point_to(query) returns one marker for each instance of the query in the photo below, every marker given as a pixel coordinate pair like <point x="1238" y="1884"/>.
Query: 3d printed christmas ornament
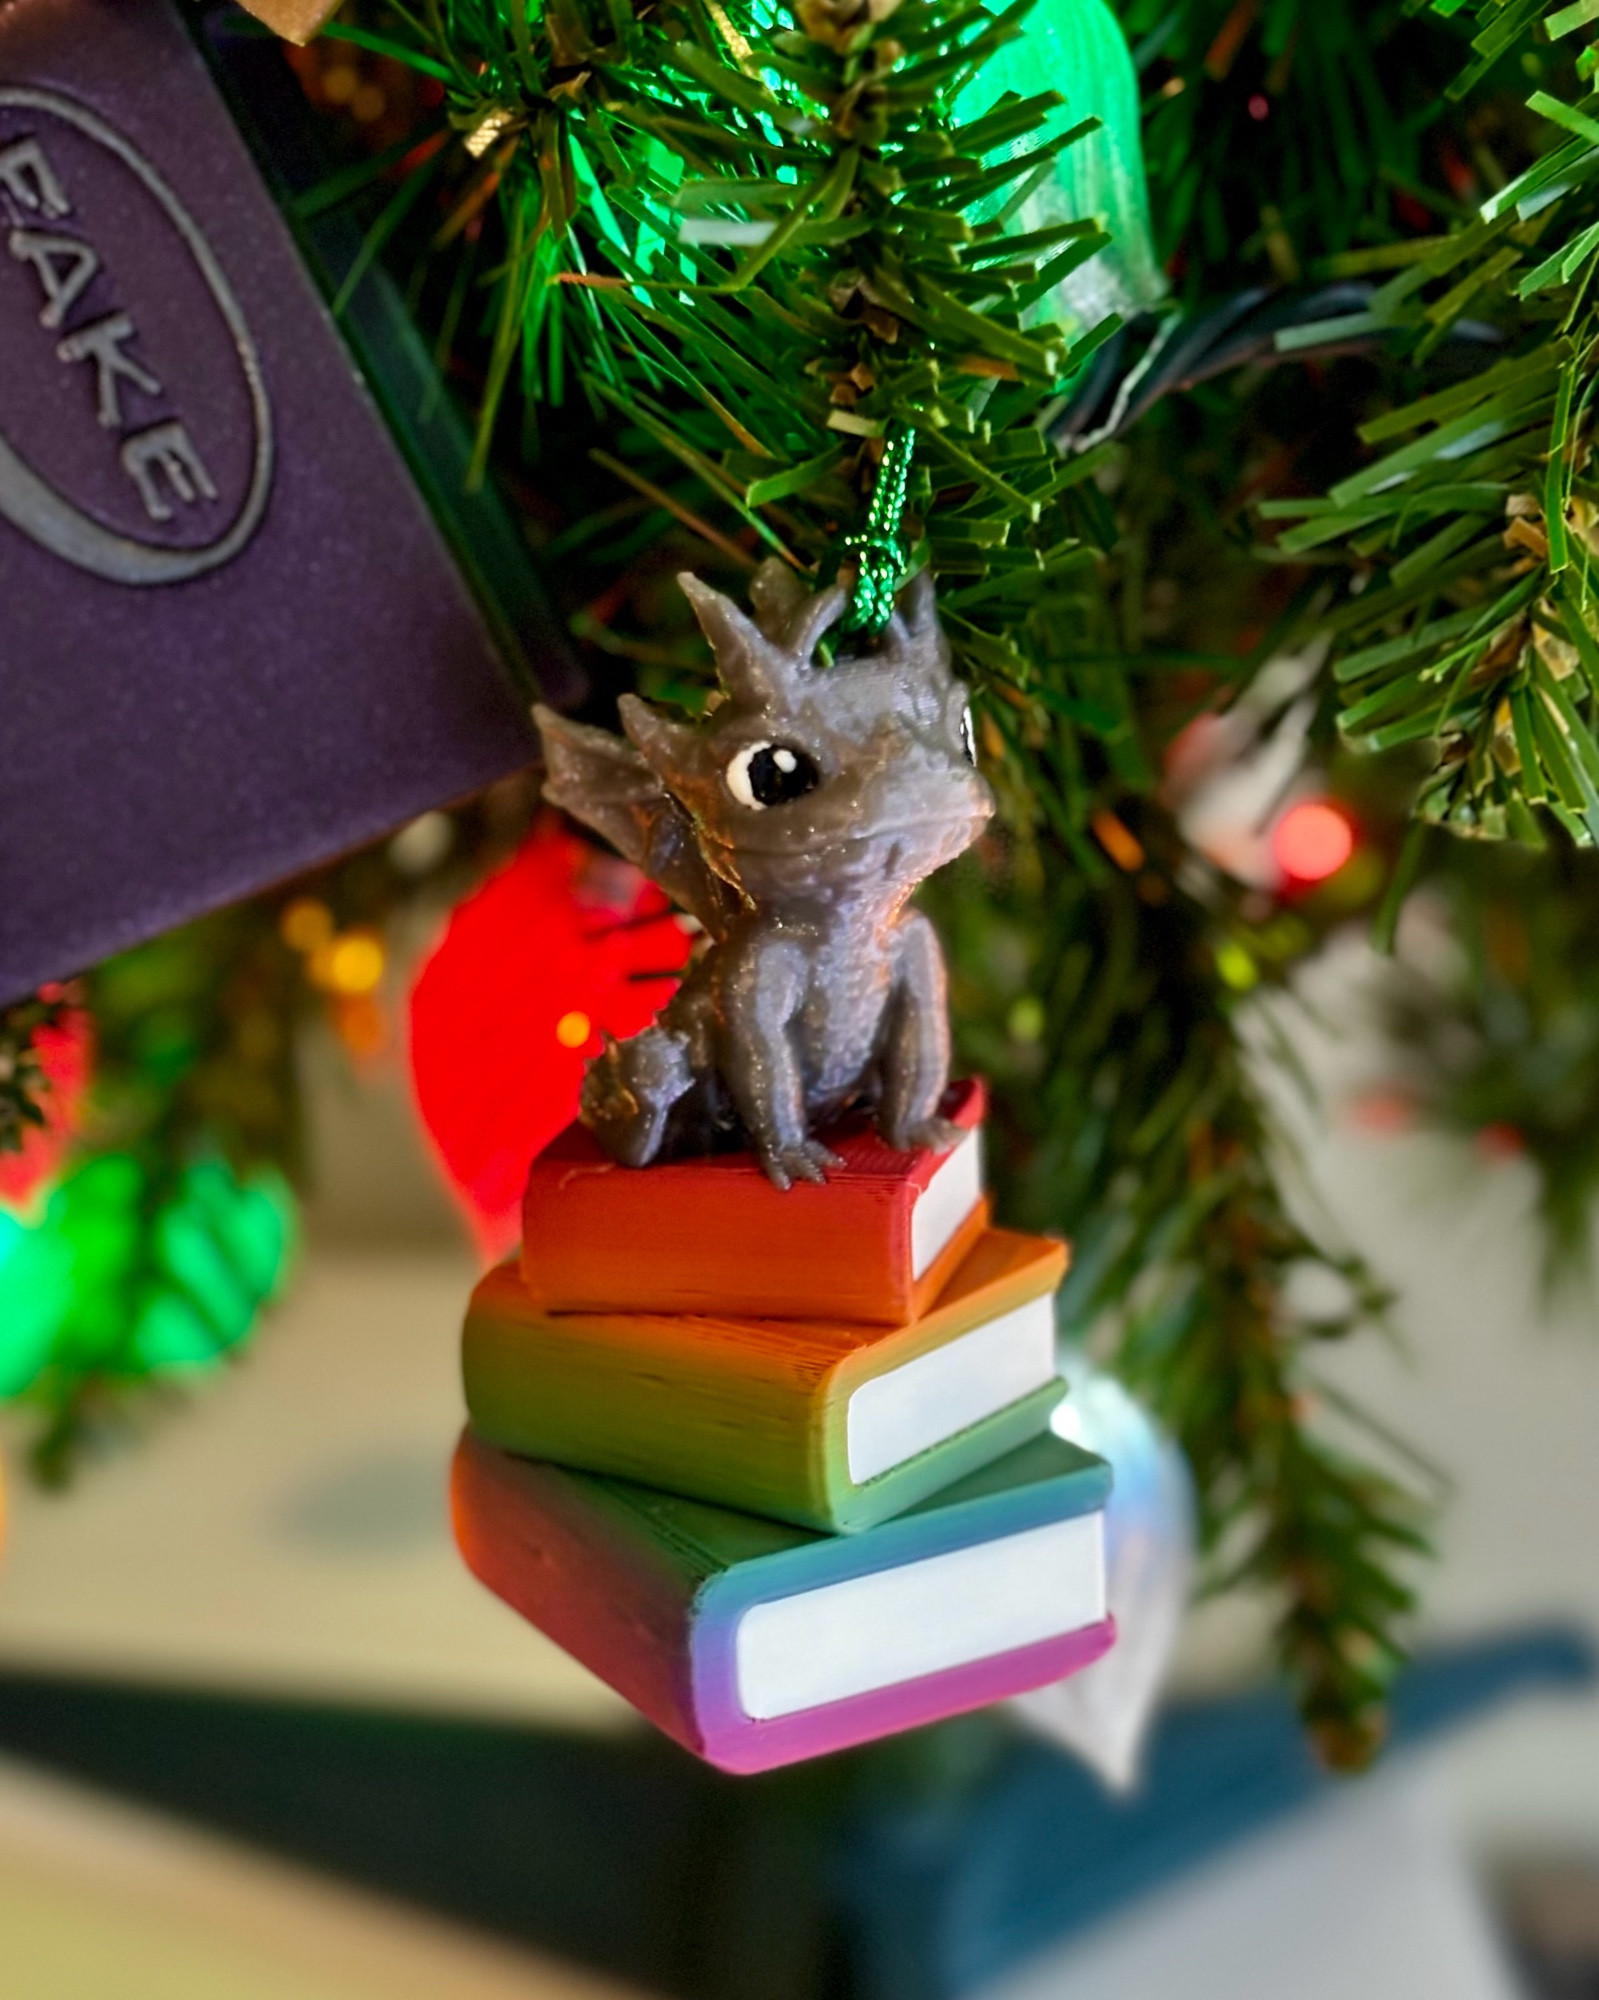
<point x="247" y="646"/>
<point x="794" y="823"/>
<point x="756" y="1644"/>
<point x="846" y="1356"/>
<point x="563" y="945"/>
<point x="760" y="1271"/>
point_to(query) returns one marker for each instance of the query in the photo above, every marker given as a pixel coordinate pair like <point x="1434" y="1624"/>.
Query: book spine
<point x="839" y="1252"/>
<point x="585" y="1575"/>
<point x="694" y="1408"/>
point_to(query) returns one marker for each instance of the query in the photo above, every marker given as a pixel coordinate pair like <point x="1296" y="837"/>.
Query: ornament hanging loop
<point x="878" y="549"/>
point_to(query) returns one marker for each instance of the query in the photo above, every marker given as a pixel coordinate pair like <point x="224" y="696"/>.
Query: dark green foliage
<point x="753" y="384"/>
<point x="1470" y="530"/>
<point x="1279" y="132"/>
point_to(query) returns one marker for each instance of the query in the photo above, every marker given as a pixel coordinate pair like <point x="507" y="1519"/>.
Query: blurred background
<point x="199" y="1635"/>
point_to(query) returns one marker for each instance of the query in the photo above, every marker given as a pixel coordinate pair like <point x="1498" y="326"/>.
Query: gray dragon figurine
<point x="793" y="822"/>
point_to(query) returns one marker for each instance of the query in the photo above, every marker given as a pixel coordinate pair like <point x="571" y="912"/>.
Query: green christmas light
<point x="1077" y="47"/>
<point x="117" y="1278"/>
<point x="35" y="1295"/>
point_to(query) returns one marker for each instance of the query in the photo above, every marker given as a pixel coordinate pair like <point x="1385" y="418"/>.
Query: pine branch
<point x="1280" y="136"/>
<point x="1471" y="533"/>
<point x="768" y="272"/>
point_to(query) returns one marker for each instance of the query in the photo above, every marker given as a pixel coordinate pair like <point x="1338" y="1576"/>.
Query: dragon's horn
<point x="914" y="633"/>
<point x="779" y="596"/>
<point x="753" y="669"/>
<point x="918" y="604"/>
<point x="790" y="615"/>
<point x="815" y="617"/>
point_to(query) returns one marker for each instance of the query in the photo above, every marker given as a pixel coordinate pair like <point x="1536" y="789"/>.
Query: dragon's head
<point x="809" y="780"/>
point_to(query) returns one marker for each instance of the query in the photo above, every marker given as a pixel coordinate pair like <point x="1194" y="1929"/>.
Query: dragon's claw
<point x="806" y="1160"/>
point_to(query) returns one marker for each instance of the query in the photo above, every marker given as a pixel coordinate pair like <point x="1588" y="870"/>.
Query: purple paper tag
<point x="232" y="642"/>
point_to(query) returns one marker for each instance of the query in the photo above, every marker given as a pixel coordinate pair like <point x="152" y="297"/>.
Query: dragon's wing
<point x="603" y="781"/>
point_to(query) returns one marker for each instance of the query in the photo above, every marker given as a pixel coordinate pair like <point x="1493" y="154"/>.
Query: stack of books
<point x="778" y="1466"/>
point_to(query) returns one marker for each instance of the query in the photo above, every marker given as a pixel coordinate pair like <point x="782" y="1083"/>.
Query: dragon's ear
<point x="595" y="776"/>
<point x="608" y="785"/>
<point x="756" y="672"/>
<point x="671" y="749"/>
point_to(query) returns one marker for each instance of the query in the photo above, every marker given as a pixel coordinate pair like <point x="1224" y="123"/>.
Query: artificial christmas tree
<point x="696" y="274"/>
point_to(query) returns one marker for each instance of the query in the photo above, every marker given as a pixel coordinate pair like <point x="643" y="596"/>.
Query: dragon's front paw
<point x="629" y="1090"/>
<point x="807" y="1160"/>
<point x="658" y="1067"/>
<point x="647" y="1074"/>
<point x="938" y="1135"/>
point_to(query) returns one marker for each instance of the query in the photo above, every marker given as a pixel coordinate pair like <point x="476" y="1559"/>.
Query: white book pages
<point x="920" y="1618"/>
<point x="946" y="1201"/>
<point x="894" y="1416"/>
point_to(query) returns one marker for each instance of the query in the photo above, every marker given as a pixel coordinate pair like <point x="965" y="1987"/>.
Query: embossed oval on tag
<point x="135" y="429"/>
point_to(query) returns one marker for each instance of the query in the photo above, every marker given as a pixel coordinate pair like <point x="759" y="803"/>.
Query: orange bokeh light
<point x="573" y="1030"/>
<point x="1312" y="840"/>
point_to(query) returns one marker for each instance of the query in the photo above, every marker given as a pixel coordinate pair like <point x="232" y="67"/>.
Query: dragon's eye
<point x="771" y="774"/>
<point x="968" y="734"/>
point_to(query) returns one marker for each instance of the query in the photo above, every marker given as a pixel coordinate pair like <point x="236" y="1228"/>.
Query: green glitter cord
<point x="877" y="548"/>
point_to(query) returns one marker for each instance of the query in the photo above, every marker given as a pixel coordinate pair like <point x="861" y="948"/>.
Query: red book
<point x="876" y="1244"/>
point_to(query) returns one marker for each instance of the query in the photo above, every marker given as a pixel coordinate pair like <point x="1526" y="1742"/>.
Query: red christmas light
<point x="1499" y="1141"/>
<point x="66" y="1056"/>
<point x="1311" y="841"/>
<point x="561" y="944"/>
